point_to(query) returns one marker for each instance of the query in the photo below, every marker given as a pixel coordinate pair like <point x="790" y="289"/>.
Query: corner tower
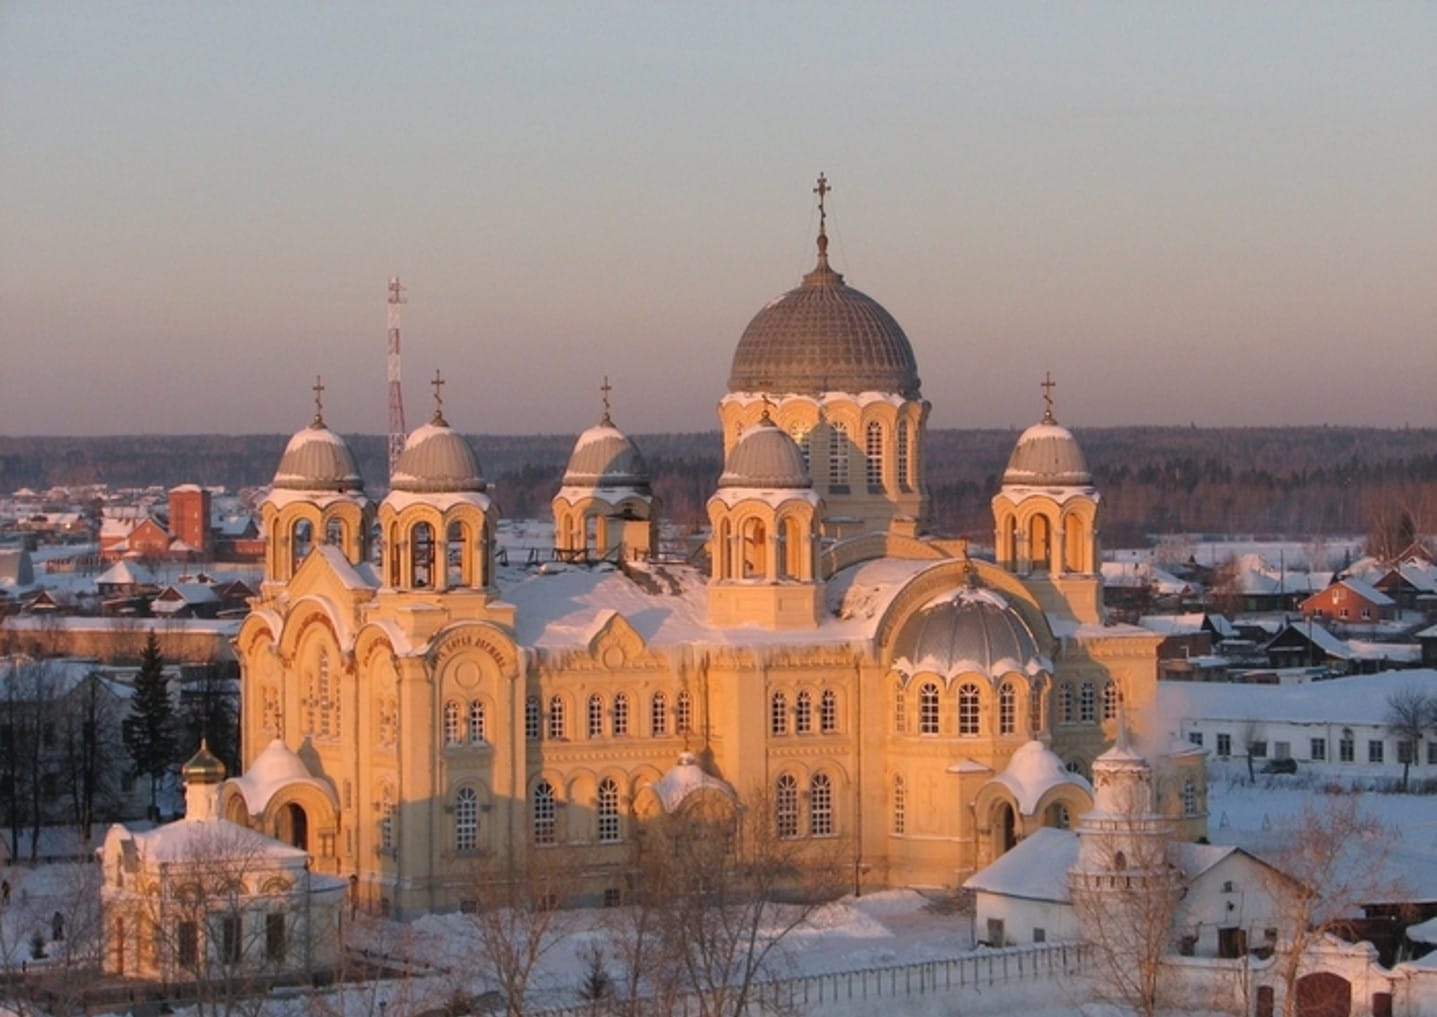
<point x="843" y="383"/>
<point x="1045" y="519"/>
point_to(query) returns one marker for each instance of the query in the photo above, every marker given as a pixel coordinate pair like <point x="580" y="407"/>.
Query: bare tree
<point x="1410" y="712"/>
<point x="1125" y="900"/>
<point x="89" y="741"/>
<point x="515" y="914"/>
<point x="1249" y="735"/>
<point x="1331" y="859"/>
<point x="732" y="890"/>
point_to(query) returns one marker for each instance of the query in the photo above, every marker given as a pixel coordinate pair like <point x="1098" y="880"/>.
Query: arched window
<point x="557" y="729"/>
<point x="1074" y="549"/>
<point x="1007" y="709"/>
<point x="755" y="549"/>
<point x="1009" y="550"/>
<point x="608" y="810"/>
<point x="544" y="814"/>
<point x="1058" y="816"/>
<point x="778" y="714"/>
<point x="873" y="454"/>
<point x="1035" y="709"/>
<point x="900" y="805"/>
<point x="1110" y="700"/>
<point x="1040" y="541"/>
<point x="301" y="542"/>
<point x="334" y="531"/>
<point x="785" y="806"/>
<point x="533" y="723"/>
<point x="900" y="710"/>
<point x="968" y="718"/>
<point x="1190" y="798"/>
<point x="928" y="709"/>
<point x="802" y="437"/>
<point x="466" y="819"/>
<point x="820" y="806"/>
<point x="421" y="556"/>
<point x="904" y="480"/>
<point x="684" y="713"/>
<point x="659" y="715"/>
<point x="828" y="712"/>
<point x="596" y="716"/>
<point x="1065" y="704"/>
<point x="621" y="715"/>
<point x="478" y="729"/>
<point x="803" y="713"/>
<point x="456" y="555"/>
<point x="838" y="455"/>
<point x="451" y="722"/>
<point x="386" y="819"/>
<point x="1087" y="703"/>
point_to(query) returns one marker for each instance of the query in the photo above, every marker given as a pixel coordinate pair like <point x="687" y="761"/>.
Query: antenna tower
<point x="397" y="429"/>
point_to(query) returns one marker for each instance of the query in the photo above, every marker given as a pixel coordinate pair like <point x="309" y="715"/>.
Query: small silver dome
<point x="437" y="459"/>
<point x="766" y="457"/>
<point x="1047" y="455"/>
<point x="605" y="457"/>
<point x="969" y="630"/>
<point x="317" y="459"/>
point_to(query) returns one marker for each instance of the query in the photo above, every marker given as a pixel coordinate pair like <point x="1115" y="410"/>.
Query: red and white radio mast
<point x="397" y="429"/>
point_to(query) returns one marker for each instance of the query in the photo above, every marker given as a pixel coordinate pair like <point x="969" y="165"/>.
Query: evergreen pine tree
<point x="148" y="728"/>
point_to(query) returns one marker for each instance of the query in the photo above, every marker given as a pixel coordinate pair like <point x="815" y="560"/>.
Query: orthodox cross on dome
<point x="438" y="384"/>
<point x="606" y="388"/>
<point x="1047" y="385"/>
<point x="822" y="191"/>
<point x="318" y="389"/>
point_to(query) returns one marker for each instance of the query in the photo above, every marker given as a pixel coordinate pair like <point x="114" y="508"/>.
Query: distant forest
<point x="1295" y="481"/>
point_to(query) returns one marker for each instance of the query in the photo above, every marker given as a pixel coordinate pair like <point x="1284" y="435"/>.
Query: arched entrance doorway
<point x="292" y="826"/>
<point x="1324" y="994"/>
<point x="1005" y="829"/>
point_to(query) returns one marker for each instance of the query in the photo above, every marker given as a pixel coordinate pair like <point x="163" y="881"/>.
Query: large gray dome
<point x="1047" y="455"/>
<point x="969" y="630"/>
<point x="824" y="336"/>
<point x="317" y="459"/>
<point x="437" y="460"/>
<point x="605" y="457"/>
<point x="766" y="458"/>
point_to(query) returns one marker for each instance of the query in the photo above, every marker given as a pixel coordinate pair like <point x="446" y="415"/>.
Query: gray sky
<point x="1219" y="213"/>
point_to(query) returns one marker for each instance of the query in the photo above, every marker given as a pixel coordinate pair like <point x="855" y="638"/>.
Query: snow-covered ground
<point x="881" y="929"/>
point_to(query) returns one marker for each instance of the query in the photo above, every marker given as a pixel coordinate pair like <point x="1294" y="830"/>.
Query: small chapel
<point x="411" y="703"/>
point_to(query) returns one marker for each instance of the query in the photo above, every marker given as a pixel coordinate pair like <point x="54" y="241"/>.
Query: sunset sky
<point x="1197" y="212"/>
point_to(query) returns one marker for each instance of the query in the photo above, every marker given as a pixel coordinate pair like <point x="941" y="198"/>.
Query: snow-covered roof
<point x="1423" y="932"/>
<point x="685" y="778"/>
<point x="1356" y="699"/>
<point x="205" y="840"/>
<point x="273" y="769"/>
<point x="1034" y="770"/>
<point x="1035" y="869"/>
<point x="126" y="573"/>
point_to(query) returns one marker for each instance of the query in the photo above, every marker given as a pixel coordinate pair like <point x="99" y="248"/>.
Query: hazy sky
<point x="1224" y="214"/>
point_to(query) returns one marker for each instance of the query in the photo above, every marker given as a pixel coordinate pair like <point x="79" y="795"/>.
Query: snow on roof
<point x="1398" y="653"/>
<point x="683" y="779"/>
<point x="442" y="500"/>
<point x="559" y="609"/>
<point x="1356" y="699"/>
<point x="126" y="573"/>
<point x="353" y="577"/>
<point x="274" y="768"/>
<point x="1034" y="770"/>
<point x="1423" y="932"/>
<point x="1173" y="624"/>
<point x="1035" y="869"/>
<point x="201" y="840"/>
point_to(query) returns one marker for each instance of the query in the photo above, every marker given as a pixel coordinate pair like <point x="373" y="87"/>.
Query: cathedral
<point x="411" y="703"/>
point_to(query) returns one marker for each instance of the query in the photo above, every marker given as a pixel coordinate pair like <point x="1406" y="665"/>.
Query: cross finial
<point x="438" y="384"/>
<point x="1047" y="385"/>
<point x="822" y="191"/>
<point x="318" y="389"/>
<point x="606" y="388"/>
<point x="767" y="404"/>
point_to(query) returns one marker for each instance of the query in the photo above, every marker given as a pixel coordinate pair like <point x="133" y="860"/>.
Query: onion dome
<point x="968" y="630"/>
<point x="767" y="458"/>
<point x="317" y="459"/>
<point x="605" y="457"/>
<point x="204" y="767"/>
<point x="437" y="459"/>
<point x="1047" y="455"/>
<point x="824" y="336"/>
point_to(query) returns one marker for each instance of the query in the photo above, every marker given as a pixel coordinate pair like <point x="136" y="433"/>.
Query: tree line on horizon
<point x="1292" y="481"/>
